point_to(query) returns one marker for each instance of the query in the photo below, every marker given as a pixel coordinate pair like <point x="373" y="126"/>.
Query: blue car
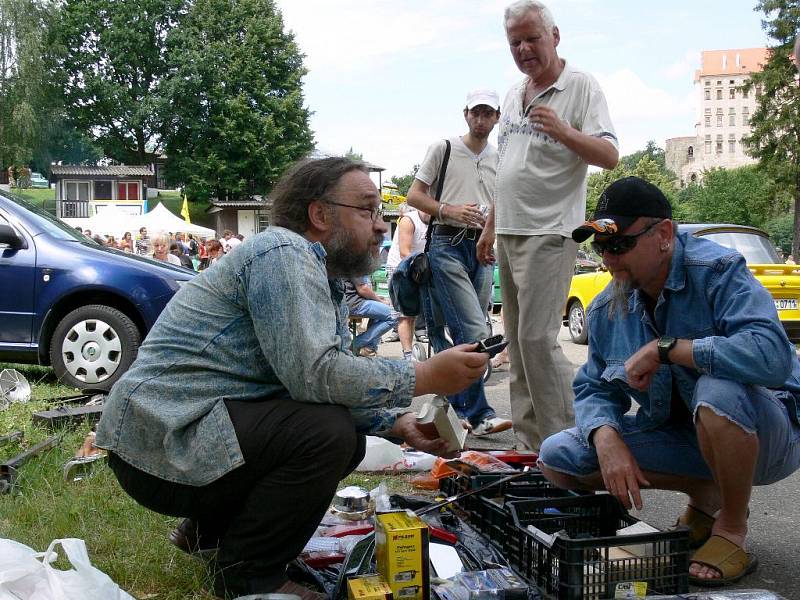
<point x="65" y="301"/>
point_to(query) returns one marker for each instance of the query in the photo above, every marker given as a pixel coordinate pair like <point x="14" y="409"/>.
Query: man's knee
<point x="335" y="433"/>
<point x="725" y="398"/>
<point x="564" y="458"/>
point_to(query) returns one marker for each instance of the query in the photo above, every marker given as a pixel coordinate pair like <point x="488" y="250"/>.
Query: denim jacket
<point x="710" y="297"/>
<point x="262" y="322"/>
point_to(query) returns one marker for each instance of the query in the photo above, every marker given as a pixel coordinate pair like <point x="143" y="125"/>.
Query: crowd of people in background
<point x="180" y="249"/>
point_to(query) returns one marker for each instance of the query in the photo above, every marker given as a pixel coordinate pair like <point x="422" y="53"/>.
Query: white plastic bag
<point x="383" y="455"/>
<point x="28" y="575"/>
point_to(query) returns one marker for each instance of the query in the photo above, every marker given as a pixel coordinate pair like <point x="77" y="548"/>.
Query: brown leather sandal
<point x="722" y="555"/>
<point x="699" y="524"/>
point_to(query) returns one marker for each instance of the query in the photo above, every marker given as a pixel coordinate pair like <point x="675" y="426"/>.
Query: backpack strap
<point x="439" y="187"/>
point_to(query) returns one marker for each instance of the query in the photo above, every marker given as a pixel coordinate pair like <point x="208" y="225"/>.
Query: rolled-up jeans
<point x="381" y="319"/>
<point x="673" y="447"/>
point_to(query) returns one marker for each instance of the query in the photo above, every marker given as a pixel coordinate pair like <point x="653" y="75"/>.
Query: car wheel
<point x="576" y="323"/>
<point x="93" y="346"/>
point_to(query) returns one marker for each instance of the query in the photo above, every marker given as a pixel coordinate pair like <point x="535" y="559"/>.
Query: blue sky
<point x="390" y="77"/>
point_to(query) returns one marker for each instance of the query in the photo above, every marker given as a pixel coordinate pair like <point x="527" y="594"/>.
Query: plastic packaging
<point x="723" y="595"/>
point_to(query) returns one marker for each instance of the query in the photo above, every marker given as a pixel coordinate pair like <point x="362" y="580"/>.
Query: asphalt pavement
<point x="774" y="525"/>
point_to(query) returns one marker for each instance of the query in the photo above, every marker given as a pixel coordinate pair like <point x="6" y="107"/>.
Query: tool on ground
<point x="10" y="468"/>
<point x="14" y="436"/>
<point x="64" y="415"/>
<point x="477" y="490"/>
<point x="80" y="468"/>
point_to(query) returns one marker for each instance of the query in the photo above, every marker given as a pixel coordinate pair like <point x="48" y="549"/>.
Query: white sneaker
<point x="491" y="425"/>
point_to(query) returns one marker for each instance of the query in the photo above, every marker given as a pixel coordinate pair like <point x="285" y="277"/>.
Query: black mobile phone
<point x="492" y="345"/>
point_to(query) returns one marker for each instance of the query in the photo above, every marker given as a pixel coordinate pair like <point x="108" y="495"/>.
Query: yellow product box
<point x="401" y="550"/>
<point x="368" y="587"/>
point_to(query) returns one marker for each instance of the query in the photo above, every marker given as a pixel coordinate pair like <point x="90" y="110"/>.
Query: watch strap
<point x="665" y="344"/>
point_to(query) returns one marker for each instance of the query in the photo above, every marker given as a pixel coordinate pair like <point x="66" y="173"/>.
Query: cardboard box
<point x="368" y="587"/>
<point x="401" y="550"/>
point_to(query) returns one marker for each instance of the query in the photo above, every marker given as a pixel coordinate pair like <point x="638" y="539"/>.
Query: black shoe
<point x="185" y="537"/>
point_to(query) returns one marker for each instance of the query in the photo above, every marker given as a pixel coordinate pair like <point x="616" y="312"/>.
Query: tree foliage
<point x="403" y="182"/>
<point x="648" y="164"/>
<point x="234" y="99"/>
<point x="775" y="124"/>
<point x="109" y="57"/>
<point x="743" y="196"/>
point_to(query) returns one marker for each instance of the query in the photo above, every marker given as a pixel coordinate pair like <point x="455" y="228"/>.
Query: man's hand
<point x="548" y="122"/>
<point x="450" y="371"/>
<point x="469" y="215"/>
<point x="642" y="365"/>
<point x="422" y="437"/>
<point x="621" y="474"/>
<point x="485" y="247"/>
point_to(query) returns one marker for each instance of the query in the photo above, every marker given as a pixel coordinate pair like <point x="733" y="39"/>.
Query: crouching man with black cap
<point x="686" y="331"/>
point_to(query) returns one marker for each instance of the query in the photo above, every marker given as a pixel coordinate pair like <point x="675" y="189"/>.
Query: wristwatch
<point x="665" y="344"/>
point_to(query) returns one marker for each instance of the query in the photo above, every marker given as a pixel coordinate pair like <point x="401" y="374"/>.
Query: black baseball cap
<point x="623" y="202"/>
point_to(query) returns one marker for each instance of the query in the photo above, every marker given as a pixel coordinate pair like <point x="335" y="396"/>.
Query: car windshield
<point x="756" y="249"/>
<point x="55" y="227"/>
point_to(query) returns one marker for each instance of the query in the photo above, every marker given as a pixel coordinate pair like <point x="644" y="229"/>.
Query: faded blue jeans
<point x="381" y="319"/>
<point x="461" y="288"/>
<point x="673" y="447"/>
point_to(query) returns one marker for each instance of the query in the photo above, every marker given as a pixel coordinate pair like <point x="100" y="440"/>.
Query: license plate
<point x="785" y="303"/>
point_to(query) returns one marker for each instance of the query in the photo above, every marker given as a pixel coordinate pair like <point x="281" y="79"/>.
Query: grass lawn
<point x="124" y="540"/>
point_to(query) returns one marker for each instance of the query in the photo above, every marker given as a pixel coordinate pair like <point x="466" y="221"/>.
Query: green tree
<point x="744" y="196"/>
<point x="403" y="182"/>
<point x="109" y="57"/>
<point x="647" y="164"/>
<point x="775" y="124"/>
<point x="781" y="231"/>
<point x="234" y="99"/>
<point x="353" y="155"/>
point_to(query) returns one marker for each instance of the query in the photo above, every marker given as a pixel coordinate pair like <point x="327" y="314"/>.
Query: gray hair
<point x="522" y="7"/>
<point x="304" y="182"/>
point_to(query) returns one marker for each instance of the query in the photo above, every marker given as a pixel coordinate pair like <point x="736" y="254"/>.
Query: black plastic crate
<point x="533" y="480"/>
<point x="587" y="560"/>
<point x="492" y="515"/>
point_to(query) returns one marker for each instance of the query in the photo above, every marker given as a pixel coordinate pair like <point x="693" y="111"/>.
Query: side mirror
<point x="10" y="238"/>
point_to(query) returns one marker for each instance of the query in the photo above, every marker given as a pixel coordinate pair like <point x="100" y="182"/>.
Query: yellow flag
<point x="185" y="210"/>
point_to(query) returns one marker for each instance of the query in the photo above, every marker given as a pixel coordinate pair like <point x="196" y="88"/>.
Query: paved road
<point x="775" y="510"/>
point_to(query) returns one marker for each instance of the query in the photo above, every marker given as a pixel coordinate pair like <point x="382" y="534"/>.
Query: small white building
<point x="83" y="191"/>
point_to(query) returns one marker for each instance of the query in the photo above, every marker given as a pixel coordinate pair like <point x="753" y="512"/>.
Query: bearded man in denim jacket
<point x="245" y="407"/>
<point x="687" y="332"/>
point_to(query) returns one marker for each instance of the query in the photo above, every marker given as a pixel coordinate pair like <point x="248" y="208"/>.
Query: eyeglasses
<point x="620" y="244"/>
<point x="375" y="211"/>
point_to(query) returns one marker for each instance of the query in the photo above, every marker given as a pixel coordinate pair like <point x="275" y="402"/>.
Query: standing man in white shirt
<point x="554" y="124"/>
<point x="460" y="284"/>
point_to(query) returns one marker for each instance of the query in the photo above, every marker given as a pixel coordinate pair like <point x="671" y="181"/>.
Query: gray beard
<point x="620" y="291"/>
<point x="342" y="262"/>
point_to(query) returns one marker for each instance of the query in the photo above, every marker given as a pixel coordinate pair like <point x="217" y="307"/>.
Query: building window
<point x="708" y="121"/>
<point x="745" y="116"/>
<point x="731" y="144"/>
<point x="758" y="91"/>
<point x="732" y="93"/>
<point x="719" y="120"/>
<point x="719" y="94"/>
<point x="708" y="144"/>
<point x="745" y="93"/>
<point x="719" y="144"/>
<point x="690" y="153"/>
<point x="732" y="82"/>
<point x="732" y="117"/>
<point x="102" y="190"/>
<point x="262" y="220"/>
<point x="127" y="190"/>
<point x="708" y="82"/>
<point x="708" y="94"/>
<point x="693" y="177"/>
<point x="77" y="191"/>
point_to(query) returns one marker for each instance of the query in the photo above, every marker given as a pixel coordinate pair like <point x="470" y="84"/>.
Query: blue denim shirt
<point x="710" y="297"/>
<point x="264" y="321"/>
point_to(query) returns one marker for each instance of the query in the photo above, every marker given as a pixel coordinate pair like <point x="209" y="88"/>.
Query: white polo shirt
<point x="541" y="184"/>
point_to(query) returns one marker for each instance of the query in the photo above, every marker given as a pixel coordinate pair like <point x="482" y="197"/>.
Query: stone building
<point x="723" y="114"/>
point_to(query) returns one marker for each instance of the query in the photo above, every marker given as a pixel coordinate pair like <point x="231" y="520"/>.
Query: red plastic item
<point x="515" y="457"/>
<point x="343" y="530"/>
<point x="442" y="534"/>
<point x="317" y="560"/>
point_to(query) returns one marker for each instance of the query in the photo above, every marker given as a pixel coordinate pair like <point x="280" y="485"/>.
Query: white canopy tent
<point x="161" y="219"/>
<point x="111" y="220"/>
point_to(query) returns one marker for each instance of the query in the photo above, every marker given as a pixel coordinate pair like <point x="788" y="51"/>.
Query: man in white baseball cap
<point x="461" y="285"/>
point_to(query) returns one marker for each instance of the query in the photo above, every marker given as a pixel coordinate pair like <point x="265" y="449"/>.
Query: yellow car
<point x="782" y="281"/>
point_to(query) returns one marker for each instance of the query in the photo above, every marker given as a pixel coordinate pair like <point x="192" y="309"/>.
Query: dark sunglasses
<point x="620" y="244"/>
